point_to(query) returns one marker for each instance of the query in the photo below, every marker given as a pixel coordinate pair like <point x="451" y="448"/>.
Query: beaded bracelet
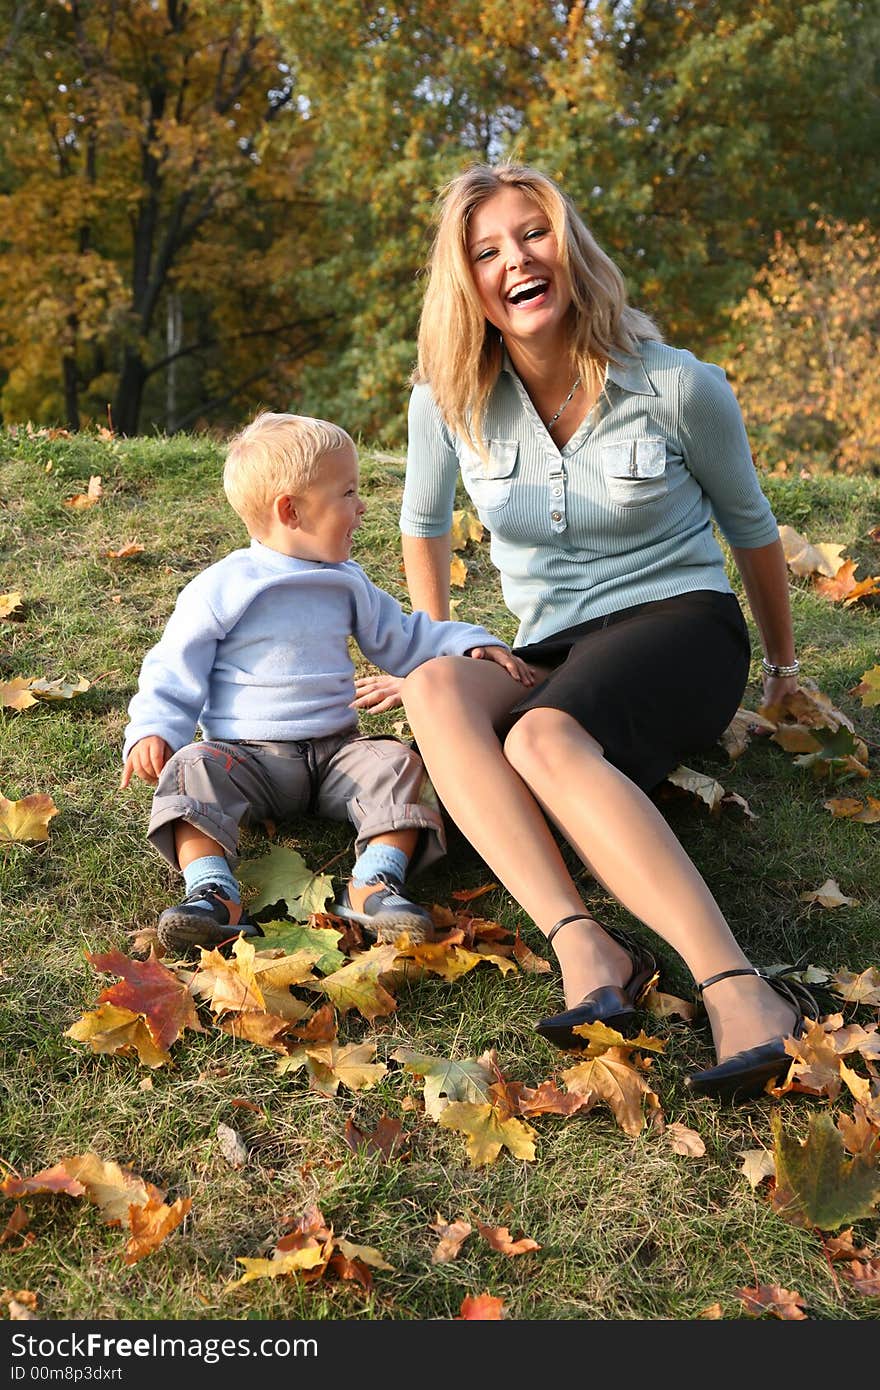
<point x="770" y="668"/>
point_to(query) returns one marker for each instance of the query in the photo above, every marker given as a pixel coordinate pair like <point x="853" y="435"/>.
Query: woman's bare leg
<point x="492" y="794"/>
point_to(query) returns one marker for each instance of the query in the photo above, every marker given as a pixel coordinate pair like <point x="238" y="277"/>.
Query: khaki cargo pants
<point x="377" y="783"/>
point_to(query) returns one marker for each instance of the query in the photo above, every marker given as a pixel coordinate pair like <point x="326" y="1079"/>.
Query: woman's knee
<point x="542" y="739"/>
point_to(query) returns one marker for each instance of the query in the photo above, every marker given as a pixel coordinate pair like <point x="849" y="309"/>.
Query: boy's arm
<point x="399" y="642"/>
<point x="173" y="683"/>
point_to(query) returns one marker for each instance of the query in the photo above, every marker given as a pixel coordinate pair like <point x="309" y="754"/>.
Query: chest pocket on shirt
<point x="635" y="471"/>
<point x="487" y="481"/>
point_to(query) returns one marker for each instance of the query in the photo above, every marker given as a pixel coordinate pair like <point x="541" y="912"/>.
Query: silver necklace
<point x="553" y="418"/>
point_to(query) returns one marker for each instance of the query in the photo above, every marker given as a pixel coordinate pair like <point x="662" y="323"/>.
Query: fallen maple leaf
<point x="865" y="588"/>
<point x="757" y="1164"/>
<point x="467" y="895"/>
<point x="26" y="820"/>
<point x="500" y="1239"/>
<point x="545" y="1099"/>
<point x="289" y="1262"/>
<point x="263" y="1029"/>
<point x="857" y="989"/>
<point x="457" y="572"/>
<point x="330" y="1066"/>
<point x="815" y="1063"/>
<point x="772" y="1298"/>
<point x="809" y="706"/>
<point x="21" y="1303"/>
<point x="149" y="988"/>
<point x="9" y="603"/>
<point x="599" y="1038"/>
<point x="861" y="1133"/>
<point x="151" y="1224"/>
<point x="110" y="1029"/>
<point x="124" y="552"/>
<point x="447" y="1080"/>
<point x="16" y="694"/>
<point x="828" y="894"/>
<point x="59" y="689"/>
<point x="698" y="784"/>
<point x="487" y="1132"/>
<point x="864" y="1277"/>
<point x="668" y="1005"/>
<point x="452" y="1235"/>
<point x="804" y="559"/>
<point x="386" y="1140"/>
<point x="282" y="875"/>
<point x="865" y="812"/>
<point x="90" y="498"/>
<point x="357" y="985"/>
<point x="738" y="734"/>
<point x="868" y="688"/>
<point x="684" y="1141"/>
<point x="482" y="1307"/>
<point x="291" y="937"/>
<point x="17" y="1223"/>
<point x="815" y="1184"/>
<point x="843" y="1247"/>
<point x="614" y="1081"/>
<point x="447" y="959"/>
<point x="466" y="526"/>
<point x="528" y="960"/>
<point x="366" y="1254"/>
<point x="841" y="585"/>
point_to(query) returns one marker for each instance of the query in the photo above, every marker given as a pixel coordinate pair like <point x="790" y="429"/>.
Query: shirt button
<point x="556" y="516"/>
<point x="556" y="492"/>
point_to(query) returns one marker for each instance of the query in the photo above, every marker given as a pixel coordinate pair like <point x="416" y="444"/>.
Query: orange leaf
<point x="452" y="1235"/>
<point x="149" y="988"/>
<point x="864" y="1277"/>
<point x="90" y="498"/>
<point x="467" y="895"/>
<point x="500" y="1239"/>
<point x="481" y="1308"/>
<point x="384" y="1140"/>
<point x="16" y="694"/>
<point x="865" y="812"/>
<point x="124" y="552"/>
<point x="772" y="1298"/>
<point x="841" y="585"/>
<point x="864" y="589"/>
<point x="527" y="959"/>
<point x="151" y="1224"/>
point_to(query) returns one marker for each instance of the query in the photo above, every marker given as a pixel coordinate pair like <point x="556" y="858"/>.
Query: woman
<point x="596" y="456"/>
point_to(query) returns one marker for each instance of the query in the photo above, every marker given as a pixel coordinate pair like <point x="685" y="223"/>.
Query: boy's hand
<point x="146" y="760"/>
<point x="377" y="693"/>
<point x="512" y="664"/>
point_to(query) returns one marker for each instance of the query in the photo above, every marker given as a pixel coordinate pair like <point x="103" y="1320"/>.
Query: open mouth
<point x="524" y="294"/>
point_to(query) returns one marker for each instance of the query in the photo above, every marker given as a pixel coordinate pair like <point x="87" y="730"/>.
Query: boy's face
<point x="330" y="510"/>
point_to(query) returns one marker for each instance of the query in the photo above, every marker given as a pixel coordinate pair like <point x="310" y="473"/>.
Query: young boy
<point x="256" y="653"/>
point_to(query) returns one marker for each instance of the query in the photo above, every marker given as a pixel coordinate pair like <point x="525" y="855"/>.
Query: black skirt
<point x="652" y="684"/>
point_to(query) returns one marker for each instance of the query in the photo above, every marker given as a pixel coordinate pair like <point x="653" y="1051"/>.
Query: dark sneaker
<point x="383" y="911"/>
<point x="219" y="920"/>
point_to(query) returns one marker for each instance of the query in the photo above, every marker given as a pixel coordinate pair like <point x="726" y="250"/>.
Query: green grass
<point x="628" y="1229"/>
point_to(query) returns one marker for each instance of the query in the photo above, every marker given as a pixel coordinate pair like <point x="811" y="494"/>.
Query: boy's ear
<point x="285" y="511"/>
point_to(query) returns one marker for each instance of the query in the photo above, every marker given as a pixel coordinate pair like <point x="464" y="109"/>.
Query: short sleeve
<point x="431" y="469"/>
<point x="716" y="450"/>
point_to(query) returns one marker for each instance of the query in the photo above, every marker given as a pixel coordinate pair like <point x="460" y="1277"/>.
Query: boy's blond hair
<point x="276" y="454"/>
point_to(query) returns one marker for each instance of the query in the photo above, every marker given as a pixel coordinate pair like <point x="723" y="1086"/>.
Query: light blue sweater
<point x="622" y="513"/>
<point x="257" y="648"/>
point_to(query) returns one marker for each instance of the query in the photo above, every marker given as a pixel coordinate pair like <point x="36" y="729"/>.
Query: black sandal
<point x="747" y="1073"/>
<point x="613" y="1005"/>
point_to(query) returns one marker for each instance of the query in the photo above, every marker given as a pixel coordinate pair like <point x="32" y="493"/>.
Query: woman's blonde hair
<point x="460" y="351"/>
<point x="273" y="455"/>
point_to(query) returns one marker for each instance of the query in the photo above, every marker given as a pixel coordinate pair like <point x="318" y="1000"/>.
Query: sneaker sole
<point x="389" y="928"/>
<point x="181" y="929"/>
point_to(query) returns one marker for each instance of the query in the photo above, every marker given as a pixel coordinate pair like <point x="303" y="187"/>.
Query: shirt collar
<point x="629" y="373"/>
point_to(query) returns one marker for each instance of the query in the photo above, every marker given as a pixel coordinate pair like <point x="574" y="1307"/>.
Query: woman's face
<point x="523" y="288"/>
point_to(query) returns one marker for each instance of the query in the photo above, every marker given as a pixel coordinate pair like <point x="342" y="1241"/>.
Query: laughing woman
<point x="596" y="456"/>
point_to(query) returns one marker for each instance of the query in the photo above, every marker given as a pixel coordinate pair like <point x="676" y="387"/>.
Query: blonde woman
<point x="596" y="456"/>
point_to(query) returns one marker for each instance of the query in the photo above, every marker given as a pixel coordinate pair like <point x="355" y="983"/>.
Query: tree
<point x="138" y="166"/>
<point x="804" y="366"/>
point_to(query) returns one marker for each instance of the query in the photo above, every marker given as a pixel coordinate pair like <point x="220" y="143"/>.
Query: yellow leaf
<point x="857" y="989"/>
<point x="8" y="603"/>
<point x="466" y="526"/>
<point x="866" y="812"/>
<point x="288" y="1263"/>
<point x="16" y="694"/>
<point x="110" y="1028"/>
<point x="487" y="1133"/>
<point x="698" y="784"/>
<point x="151" y="1224"/>
<point x="89" y="498"/>
<point x="457" y="572"/>
<point x="868" y="687"/>
<point x="757" y="1164"/>
<point x="356" y="985"/>
<point x="330" y="1066"/>
<point x="804" y="559"/>
<point x="368" y="1253"/>
<point x="613" y="1080"/>
<point x="600" y="1038"/>
<point x="828" y="894"/>
<point x="28" y="819"/>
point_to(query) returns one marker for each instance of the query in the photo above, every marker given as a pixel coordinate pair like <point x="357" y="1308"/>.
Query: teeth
<point x="528" y="285"/>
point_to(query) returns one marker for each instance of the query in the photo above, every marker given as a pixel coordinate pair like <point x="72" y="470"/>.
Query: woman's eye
<point x="536" y="232"/>
<point x="484" y="255"/>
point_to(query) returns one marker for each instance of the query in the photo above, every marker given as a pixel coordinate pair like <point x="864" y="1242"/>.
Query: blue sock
<point x="212" y="868"/>
<point x="380" y="861"/>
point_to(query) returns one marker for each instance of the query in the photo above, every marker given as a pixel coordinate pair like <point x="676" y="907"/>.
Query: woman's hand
<point x="777" y="687"/>
<point x="502" y="657"/>
<point x="146" y="760"/>
<point x="377" y="693"/>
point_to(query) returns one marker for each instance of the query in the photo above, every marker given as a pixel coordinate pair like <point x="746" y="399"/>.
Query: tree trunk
<point x="129" y="393"/>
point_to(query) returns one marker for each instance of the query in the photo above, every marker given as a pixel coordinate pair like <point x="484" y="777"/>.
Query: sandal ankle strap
<point x="563" y="922"/>
<point x="728" y="975"/>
